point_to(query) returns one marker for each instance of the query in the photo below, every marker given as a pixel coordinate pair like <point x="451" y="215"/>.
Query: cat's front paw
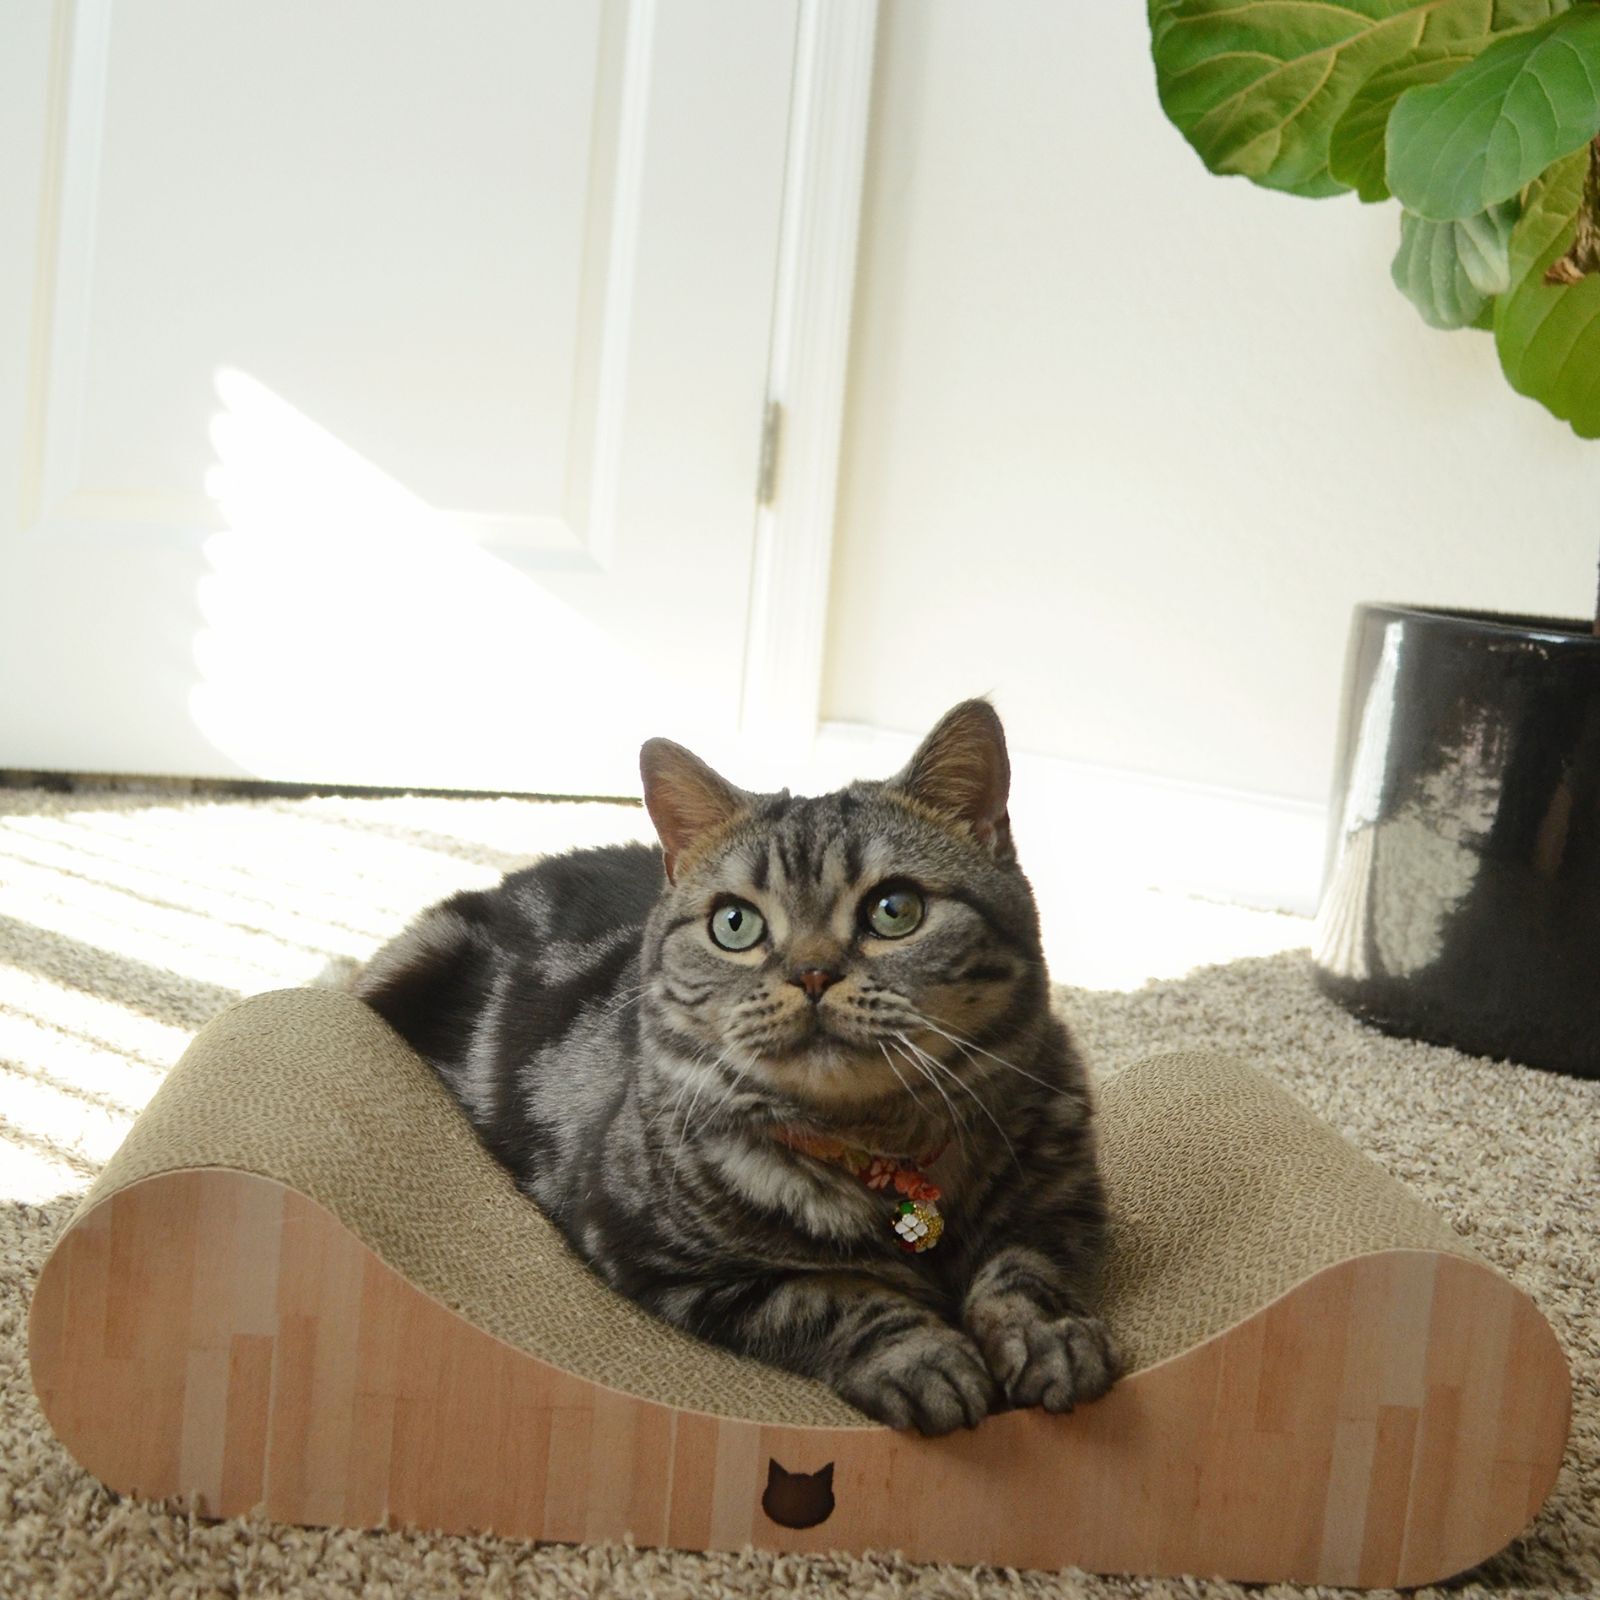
<point x="932" y="1379"/>
<point x="1050" y="1362"/>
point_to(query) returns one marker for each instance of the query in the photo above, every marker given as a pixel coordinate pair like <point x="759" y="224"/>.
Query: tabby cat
<point x="792" y="1081"/>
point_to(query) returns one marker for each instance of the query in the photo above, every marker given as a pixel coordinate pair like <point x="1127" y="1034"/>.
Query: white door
<point x="382" y="382"/>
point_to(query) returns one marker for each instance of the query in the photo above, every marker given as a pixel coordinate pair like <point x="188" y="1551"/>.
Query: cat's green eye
<point x="895" y="912"/>
<point x="737" y="925"/>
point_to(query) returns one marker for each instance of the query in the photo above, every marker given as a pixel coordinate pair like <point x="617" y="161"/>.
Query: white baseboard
<point x="1230" y="845"/>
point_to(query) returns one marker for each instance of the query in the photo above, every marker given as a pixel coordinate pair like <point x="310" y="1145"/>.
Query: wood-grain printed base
<point x="215" y="1337"/>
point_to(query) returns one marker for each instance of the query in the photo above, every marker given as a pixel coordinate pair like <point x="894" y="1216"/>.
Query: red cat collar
<point x="917" y="1221"/>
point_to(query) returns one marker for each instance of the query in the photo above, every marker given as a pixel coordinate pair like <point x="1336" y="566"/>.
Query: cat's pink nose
<point x="814" y="980"/>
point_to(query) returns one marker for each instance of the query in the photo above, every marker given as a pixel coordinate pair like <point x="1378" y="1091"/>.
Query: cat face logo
<point x="798" y="1499"/>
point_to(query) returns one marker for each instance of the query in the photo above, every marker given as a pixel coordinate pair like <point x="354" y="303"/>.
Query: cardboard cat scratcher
<point x="301" y="1286"/>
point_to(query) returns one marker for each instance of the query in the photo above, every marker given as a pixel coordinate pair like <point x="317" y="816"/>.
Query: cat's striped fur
<point x="630" y="1071"/>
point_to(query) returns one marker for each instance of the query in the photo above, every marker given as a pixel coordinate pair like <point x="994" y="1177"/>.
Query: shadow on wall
<point x="353" y="633"/>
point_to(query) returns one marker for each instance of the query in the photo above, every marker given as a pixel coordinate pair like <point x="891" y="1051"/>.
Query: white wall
<point x="1125" y="441"/>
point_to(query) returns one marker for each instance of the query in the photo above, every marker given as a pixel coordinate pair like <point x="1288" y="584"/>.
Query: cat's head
<point x="843" y="947"/>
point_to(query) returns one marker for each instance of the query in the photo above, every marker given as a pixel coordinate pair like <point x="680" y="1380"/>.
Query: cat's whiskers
<point x="693" y="1075"/>
<point x="670" y="1105"/>
<point x="900" y="1078"/>
<point x="631" y="998"/>
<point x="968" y="1048"/>
<point x="680" y="1068"/>
<point x="708" y="1076"/>
<point x="957" y="1126"/>
<point x="740" y="1075"/>
<point x="955" y="1077"/>
<point x="676" y="1100"/>
<point x="693" y="1080"/>
<point x="957" y="1130"/>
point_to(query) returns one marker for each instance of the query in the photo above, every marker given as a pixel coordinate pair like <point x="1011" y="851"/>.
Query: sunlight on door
<point x="355" y="634"/>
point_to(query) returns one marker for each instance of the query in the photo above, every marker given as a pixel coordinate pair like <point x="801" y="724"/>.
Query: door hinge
<point x="771" y="437"/>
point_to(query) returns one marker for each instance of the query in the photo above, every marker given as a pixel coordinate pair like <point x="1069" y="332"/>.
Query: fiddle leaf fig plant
<point x="1357" y="145"/>
<point x="1451" y="271"/>
<point x="1480" y="117"/>
<point x="1549" y="336"/>
<point x="1489" y="129"/>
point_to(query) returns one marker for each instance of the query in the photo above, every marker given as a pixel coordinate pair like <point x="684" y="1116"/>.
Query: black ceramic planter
<point x="1461" y="902"/>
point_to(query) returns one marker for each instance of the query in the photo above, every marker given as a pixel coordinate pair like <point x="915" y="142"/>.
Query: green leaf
<point x="1356" y="146"/>
<point x="1459" y="146"/>
<point x="1548" y="337"/>
<point x="1484" y="245"/>
<point x="1450" y="271"/>
<point x="1256" y="86"/>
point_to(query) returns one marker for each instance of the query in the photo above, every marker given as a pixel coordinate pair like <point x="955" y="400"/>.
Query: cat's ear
<point x="961" y="770"/>
<point x="684" y="797"/>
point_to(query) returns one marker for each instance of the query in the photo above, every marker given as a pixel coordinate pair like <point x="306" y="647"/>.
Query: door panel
<point x="394" y="387"/>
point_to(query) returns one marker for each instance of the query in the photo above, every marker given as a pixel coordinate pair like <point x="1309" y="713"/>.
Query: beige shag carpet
<point x="128" y="919"/>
